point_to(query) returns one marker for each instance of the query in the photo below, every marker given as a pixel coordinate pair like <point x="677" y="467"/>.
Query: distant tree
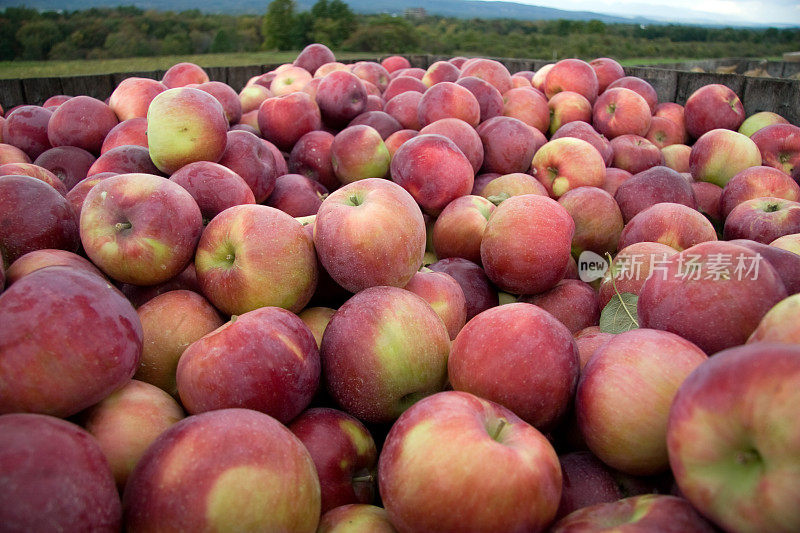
<point x="280" y="25"/>
<point x="37" y="38"/>
<point x="384" y="34"/>
<point x="333" y="22"/>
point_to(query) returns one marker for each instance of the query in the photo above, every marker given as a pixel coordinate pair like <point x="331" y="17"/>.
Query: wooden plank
<point x="239" y="76"/>
<point x="99" y="87"/>
<point x="11" y="94"/>
<point x="37" y="90"/>
<point x="777" y="95"/>
<point x="664" y="81"/>
<point x="217" y="74"/>
<point x="151" y="74"/>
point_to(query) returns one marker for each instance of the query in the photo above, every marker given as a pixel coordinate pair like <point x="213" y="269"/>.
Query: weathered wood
<point x="11" y="94"/>
<point x="99" y="87"/>
<point x="776" y="95"/>
<point x="217" y="74"/>
<point x="117" y="77"/>
<point x="37" y="90"/>
<point x="664" y="81"/>
<point x="239" y="76"/>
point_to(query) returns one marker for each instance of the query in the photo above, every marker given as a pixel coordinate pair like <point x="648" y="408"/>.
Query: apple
<point x="614" y="178"/>
<point x="508" y="144"/>
<point x="674" y="112"/>
<point x="463" y="135"/>
<point x="778" y="325"/>
<point x="317" y="318"/>
<point x="635" y="154"/>
<point x="648" y="512"/>
<point x="403" y="108"/>
<point x="78" y="315"/>
<point x="433" y="170"/>
<point x="244" y="468"/>
<point x="314" y="56"/>
<point x="458" y="229"/>
<point x="403" y="84"/>
<point x="26" y="128"/>
<point x="489" y="98"/>
<point x="676" y="157"/>
<point x="448" y="100"/>
<point x="444" y="295"/>
<point x="393" y="63"/>
<point x="139" y="295"/>
<point x="69" y="163"/>
<point x="369" y="233"/>
<point x="584" y="131"/>
<point x="763" y="219"/>
<point x="34" y="171"/>
<point x="607" y="71"/>
<point x="489" y="70"/>
<point x="227" y="97"/>
<point x="81" y="121"/>
<point x="356" y="516"/>
<point x="127" y="421"/>
<point x="586" y="482"/>
<point x="266" y="360"/>
<point x="664" y="132"/>
<point x="34" y="216"/>
<point x="619" y="111"/>
<point x="508" y="185"/>
<point x="289" y="80"/>
<point x="55" y="477"/>
<point x="311" y="157"/>
<point x="759" y="120"/>
<point x="526" y="244"/>
<point x="213" y="186"/>
<point x="124" y="160"/>
<point x="574" y="303"/>
<point x="720" y="154"/>
<point x="363" y="343"/>
<point x="38" y="259"/>
<point x="757" y="182"/>
<point x="185" y="125"/>
<point x="790" y="243"/>
<point x="713" y="294"/>
<point x="568" y="163"/>
<point x="707" y="197"/>
<point x="284" y="120"/>
<point x="640" y="87"/>
<point x="140" y="228"/>
<point x="12" y="154"/>
<point x="251" y="97"/>
<point x="297" y="195"/>
<point x="710" y="107"/>
<point x="653" y="186"/>
<point x="133" y="95"/>
<point x="566" y="107"/>
<point x="171" y="322"/>
<point x="440" y="71"/>
<point x="344" y="455"/>
<point x="182" y="74"/>
<point x="624" y="396"/>
<point x="341" y="97"/>
<point x="598" y="220"/>
<point x="572" y="75"/>
<point x="252" y="256"/>
<point x="384" y="123"/>
<point x="528" y="106"/>
<point x="675" y="225"/>
<point x="785" y="263"/>
<point x="454" y="449"/>
<point x="731" y="438"/>
<point x="632" y="267"/>
<point x="779" y="145"/>
<point x="357" y="153"/>
<point x="78" y="193"/>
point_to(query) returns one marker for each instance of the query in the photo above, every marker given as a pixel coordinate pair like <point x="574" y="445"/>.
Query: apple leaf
<point x="619" y="315"/>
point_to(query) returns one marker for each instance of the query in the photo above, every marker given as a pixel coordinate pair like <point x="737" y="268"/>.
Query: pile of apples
<point x="357" y="285"/>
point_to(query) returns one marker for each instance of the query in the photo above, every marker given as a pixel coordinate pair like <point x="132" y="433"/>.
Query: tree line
<point x="28" y="34"/>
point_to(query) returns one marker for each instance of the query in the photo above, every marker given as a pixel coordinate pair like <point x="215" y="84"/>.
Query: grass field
<point x="82" y="67"/>
<point x="85" y="67"/>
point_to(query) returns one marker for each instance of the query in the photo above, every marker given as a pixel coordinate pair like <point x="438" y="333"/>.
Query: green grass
<point x="85" y="67"/>
<point x="654" y="61"/>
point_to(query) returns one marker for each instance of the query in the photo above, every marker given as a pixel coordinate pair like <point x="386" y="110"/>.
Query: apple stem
<point x="363" y="479"/>
<point x="121" y="226"/>
<point x="499" y="429"/>
<point x="355" y="199"/>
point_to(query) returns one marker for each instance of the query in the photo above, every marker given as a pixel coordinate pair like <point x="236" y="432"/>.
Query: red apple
<point x="757" y="182"/>
<point x="676" y="157"/>
<point x="712" y="107"/>
<point x="284" y="120"/>
<point x="55" y="478"/>
<point x="452" y="450"/>
<point x="779" y="145"/>
<point x="214" y="187"/>
<point x="363" y="343"/>
<point x="393" y="63"/>
<point x="140" y="228"/>
<point x="341" y="97"/>
<point x="182" y="74"/>
<point x="243" y="467"/>
<point x="584" y="131"/>
<point x="528" y="106"/>
<point x="444" y="295"/>
<point x="314" y="56"/>
<point x="133" y="95"/>
<point x="458" y="229"/>
<point x="635" y="154"/>
<point x="763" y="219"/>
<point x="448" y="100"/>
<point x="344" y="455"/>
<point x="598" y="219"/>
<point x="77" y="315"/>
<point x="38" y="259"/>
<point x="572" y="75"/>
<point x="69" y="163"/>
<point x="357" y="153"/>
<point x="489" y="98"/>
<point x="369" y="233"/>
<point x="759" y="120"/>
<point x="489" y="70"/>
<point x="253" y="160"/>
<point x="675" y="225"/>
<point x="653" y="186"/>
<point x="463" y="135"/>
<point x="713" y="294"/>
<point x="252" y="256"/>
<point x="227" y="97"/>
<point x="296" y="195"/>
<point x="508" y="145"/>
<point x="26" y="128"/>
<point x="127" y="421"/>
<point x="732" y="438"/>
<point x="34" y="171"/>
<point x="625" y="393"/>
<point x="440" y="71"/>
<point x="526" y="244"/>
<point x="640" y="87"/>
<point x="720" y="154"/>
<point x="266" y="360"/>
<point x="81" y="121"/>
<point x="619" y="111"/>
<point x="568" y="163"/>
<point x="566" y="107"/>
<point x="356" y="515"/>
<point x="124" y="160"/>
<point x="311" y="157"/>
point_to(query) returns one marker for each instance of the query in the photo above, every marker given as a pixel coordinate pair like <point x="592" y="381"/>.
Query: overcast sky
<point x="743" y="11"/>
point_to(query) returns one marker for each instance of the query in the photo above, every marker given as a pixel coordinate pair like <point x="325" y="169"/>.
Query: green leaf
<point x="619" y="315"/>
